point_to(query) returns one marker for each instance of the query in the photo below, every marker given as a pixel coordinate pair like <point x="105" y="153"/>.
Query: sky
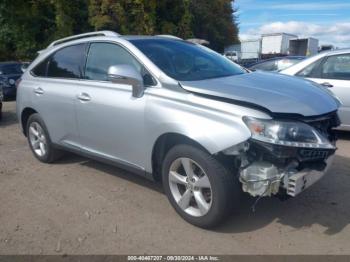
<point x="326" y="20"/>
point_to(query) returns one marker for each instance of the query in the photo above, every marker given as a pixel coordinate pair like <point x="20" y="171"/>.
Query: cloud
<point x="307" y="14"/>
<point x="291" y="6"/>
<point x="337" y="34"/>
<point x="310" y="6"/>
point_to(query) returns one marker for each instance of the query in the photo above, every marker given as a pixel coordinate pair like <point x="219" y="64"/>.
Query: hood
<point x="275" y="93"/>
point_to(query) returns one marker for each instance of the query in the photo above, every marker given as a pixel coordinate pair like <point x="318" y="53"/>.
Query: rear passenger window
<point x="67" y="62"/>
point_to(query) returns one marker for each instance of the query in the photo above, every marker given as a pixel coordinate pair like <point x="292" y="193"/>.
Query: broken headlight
<point x="287" y="133"/>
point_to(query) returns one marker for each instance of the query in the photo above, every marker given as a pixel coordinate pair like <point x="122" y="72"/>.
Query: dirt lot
<point x="79" y="206"/>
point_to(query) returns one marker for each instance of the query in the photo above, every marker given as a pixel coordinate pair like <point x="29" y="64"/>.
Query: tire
<point x="50" y="154"/>
<point x="220" y="199"/>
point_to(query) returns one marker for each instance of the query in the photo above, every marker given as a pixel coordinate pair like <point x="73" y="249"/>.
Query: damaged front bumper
<point x="267" y="169"/>
<point x="295" y="183"/>
<point x="284" y="155"/>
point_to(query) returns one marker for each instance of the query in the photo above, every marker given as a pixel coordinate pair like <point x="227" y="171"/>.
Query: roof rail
<point x="80" y="36"/>
<point x="170" y="36"/>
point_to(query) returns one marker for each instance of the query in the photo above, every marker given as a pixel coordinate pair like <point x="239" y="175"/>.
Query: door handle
<point x="39" y="91"/>
<point x="326" y="84"/>
<point x="84" y="97"/>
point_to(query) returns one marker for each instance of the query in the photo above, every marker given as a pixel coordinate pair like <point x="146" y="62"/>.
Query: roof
<point x="273" y="34"/>
<point x="103" y="35"/>
<point x="279" y="58"/>
<point x="251" y="40"/>
<point x="10" y="63"/>
<point x="142" y="37"/>
<point x="337" y="51"/>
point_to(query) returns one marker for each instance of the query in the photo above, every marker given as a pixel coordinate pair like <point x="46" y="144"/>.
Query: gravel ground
<point x="80" y="206"/>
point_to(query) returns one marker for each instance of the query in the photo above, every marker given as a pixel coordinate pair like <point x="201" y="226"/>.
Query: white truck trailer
<point x="303" y="46"/>
<point x="250" y="49"/>
<point x="247" y="51"/>
<point x="277" y="44"/>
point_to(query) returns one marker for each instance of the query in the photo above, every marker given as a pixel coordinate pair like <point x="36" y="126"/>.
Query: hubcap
<point x="37" y="139"/>
<point x="190" y="187"/>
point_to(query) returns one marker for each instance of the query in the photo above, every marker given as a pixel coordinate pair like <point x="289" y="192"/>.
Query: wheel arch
<point x="26" y="113"/>
<point x="164" y="143"/>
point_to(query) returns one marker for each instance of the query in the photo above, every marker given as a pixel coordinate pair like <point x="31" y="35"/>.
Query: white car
<point x="332" y="70"/>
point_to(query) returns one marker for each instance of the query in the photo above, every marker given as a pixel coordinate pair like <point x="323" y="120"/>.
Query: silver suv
<point x="178" y="112"/>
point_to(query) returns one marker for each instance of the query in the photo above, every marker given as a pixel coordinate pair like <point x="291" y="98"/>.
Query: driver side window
<point x="103" y="55"/>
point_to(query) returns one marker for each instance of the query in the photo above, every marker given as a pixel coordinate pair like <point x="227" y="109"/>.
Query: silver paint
<point x="105" y="120"/>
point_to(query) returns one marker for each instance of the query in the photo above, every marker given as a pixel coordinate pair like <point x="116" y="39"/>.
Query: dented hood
<point x="278" y="94"/>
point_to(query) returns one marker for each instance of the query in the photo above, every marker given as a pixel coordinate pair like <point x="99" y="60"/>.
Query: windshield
<point x="186" y="61"/>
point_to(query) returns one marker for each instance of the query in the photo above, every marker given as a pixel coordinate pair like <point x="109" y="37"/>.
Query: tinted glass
<point x="67" y="62"/>
<point x="103" y="55"/>
<point x="337" y="67"/>
<point x="41" y="68"/>
<point x="185" y="61"/>
<point x="311" y="70"/>
<point x="285" y="63"/>
<point x="265" y="66"/>
<point x="11" y="69"/>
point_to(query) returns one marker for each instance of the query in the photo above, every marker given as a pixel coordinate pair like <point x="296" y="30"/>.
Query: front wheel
<point x="198" y="186"/>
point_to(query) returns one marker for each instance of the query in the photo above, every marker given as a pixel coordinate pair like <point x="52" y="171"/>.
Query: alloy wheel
<point x="37" y="139"/>
<point x="190" y="187"/>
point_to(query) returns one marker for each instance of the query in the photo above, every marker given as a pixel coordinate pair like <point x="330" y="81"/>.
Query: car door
<point x="333" y="72"/>
<point x="110" y="119"/>
<point x="54" y="93"/>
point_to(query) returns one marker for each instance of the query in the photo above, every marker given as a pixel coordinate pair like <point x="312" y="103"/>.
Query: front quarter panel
<point x="213" y="124"/>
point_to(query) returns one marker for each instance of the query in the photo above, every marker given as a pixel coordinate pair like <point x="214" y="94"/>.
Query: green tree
<point x="107" y="15"/>
<point x="185" y="24"/>
<point x="28" y="26"/>
<point x="215" y="22"/>
<point x="141" y="16"/>
<point x="71" y="17"/>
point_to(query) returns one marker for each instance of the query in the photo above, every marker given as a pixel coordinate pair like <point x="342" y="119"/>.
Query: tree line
<point x="27" y="26"/>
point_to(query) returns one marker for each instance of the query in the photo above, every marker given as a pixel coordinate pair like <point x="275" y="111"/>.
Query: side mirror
<point x="126" y="74"/>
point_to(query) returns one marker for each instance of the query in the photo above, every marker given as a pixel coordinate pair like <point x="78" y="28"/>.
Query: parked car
<point x="181" y="113"/>
<point x="24" y="66"/>
<point x="1" y="98"/>
<point x="9" y="73"/>
<point x="232" y="55"/>
<point x="332" y="70"/>
<point x="276" y="64"/>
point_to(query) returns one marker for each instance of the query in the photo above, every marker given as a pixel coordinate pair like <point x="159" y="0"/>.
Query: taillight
<point x="18" y="81"/>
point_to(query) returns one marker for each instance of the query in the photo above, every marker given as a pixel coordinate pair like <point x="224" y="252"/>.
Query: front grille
<point x="325" y="125"/>
<point x="313" y="154"/>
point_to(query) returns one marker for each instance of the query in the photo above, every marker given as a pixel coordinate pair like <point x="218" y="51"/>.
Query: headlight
<point x="287" y="133"/>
